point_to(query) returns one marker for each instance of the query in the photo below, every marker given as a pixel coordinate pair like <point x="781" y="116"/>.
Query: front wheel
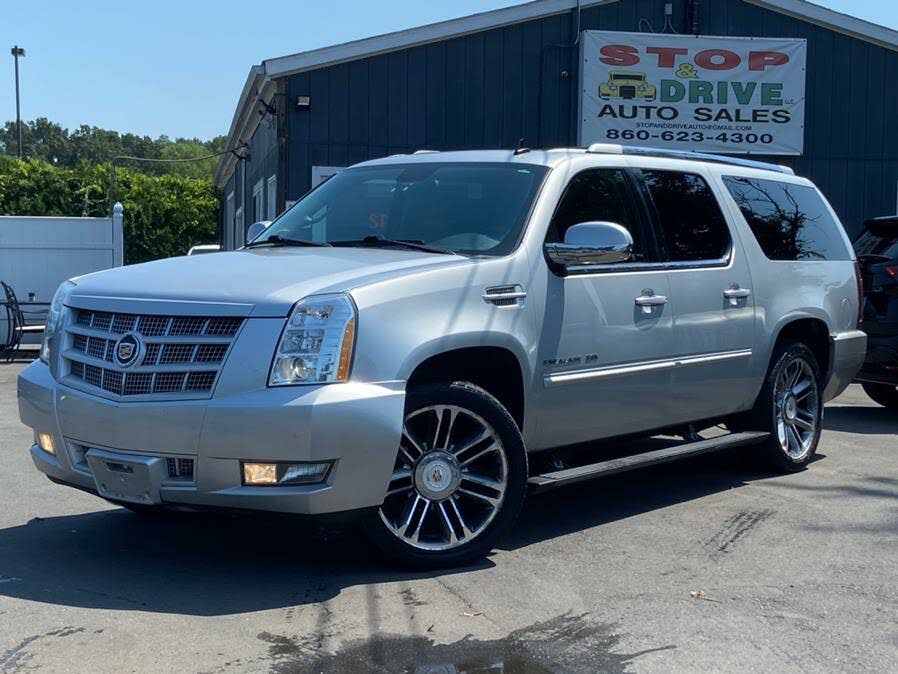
<point x="459" y="478"/>
<point x="884" y="394"/>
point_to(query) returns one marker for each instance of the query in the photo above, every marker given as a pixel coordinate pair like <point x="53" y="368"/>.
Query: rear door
<point x="712" y="302"/>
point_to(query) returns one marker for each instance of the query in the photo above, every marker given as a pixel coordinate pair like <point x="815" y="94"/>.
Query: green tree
<point x="49" y="141"/>
<point x="164" y="215"/>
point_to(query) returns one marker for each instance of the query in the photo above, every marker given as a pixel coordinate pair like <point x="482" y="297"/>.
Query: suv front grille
<point x="181" y="355"/>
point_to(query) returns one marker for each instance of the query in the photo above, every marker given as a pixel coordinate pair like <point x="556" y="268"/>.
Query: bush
<point x="164" y="215"/>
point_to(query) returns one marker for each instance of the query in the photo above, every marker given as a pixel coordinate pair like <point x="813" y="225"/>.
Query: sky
<point x="176" y="67"/>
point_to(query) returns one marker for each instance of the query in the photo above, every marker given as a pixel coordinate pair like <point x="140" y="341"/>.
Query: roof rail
<point x="606" y="148"/>
<point x="426" y="152"/>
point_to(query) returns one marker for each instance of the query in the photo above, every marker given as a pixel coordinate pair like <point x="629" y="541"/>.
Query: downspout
<point x="694" y="16"/>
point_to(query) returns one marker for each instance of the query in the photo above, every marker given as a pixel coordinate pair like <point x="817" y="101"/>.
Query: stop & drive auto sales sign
<point x="715" y="94"/>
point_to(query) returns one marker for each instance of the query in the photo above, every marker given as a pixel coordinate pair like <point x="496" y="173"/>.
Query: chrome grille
<point x="152" y="326"/>
<point x="138" y="383"/>
<point x="182" y="355"/>
<point x="123" y="323"/>
<point x="177" y="353"/>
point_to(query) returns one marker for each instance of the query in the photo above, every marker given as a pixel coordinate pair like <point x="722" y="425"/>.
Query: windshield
<point x="467" y="208"/>
<point x="627" y="76"/>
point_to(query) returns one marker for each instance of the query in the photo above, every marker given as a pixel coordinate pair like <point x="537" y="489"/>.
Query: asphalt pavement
<point x="703" y="565"/>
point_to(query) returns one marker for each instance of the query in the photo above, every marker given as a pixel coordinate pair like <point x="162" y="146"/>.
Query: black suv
<point x="877" y="255"/>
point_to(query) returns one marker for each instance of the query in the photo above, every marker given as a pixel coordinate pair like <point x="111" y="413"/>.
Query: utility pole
<point x="16" y="52"/>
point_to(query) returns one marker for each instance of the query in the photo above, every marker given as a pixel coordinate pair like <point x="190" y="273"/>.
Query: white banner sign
<point x="715" y="94"/>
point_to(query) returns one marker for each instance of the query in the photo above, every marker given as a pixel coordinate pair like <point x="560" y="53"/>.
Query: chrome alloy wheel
<point x="449" y="480"/>
<point x="796" y="408"/>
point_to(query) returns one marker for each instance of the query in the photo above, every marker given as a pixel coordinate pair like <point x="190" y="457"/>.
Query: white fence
<point x="39" y="253"/>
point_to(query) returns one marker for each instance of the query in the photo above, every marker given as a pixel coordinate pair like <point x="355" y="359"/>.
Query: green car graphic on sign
<point x="627" y="84"/>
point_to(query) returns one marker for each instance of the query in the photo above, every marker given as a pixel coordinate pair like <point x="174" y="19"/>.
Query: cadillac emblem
<point x="127" y="350"/>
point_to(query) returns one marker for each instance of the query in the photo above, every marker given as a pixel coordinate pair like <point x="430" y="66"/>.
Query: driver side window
<point x="600" y="195"/>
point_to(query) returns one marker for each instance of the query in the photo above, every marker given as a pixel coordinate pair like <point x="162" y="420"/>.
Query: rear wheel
<point x="458" y="481"/>
<point x="884" y="394"/>
<point x="790" y="408"/>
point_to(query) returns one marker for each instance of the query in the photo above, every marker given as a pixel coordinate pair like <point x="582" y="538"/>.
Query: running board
<point x="570" y="475"/>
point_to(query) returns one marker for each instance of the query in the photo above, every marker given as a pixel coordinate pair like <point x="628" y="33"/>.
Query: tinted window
<point x="692" y="224"/>
<point x="465" y="207"/>
<point x="790" y="222"/>
<point x="600" y="195"/>
<point x="870" y="245"/>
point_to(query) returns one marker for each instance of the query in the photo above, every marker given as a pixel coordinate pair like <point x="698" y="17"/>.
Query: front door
<point x="607" y="330"/>
<point x="712" y="305"/>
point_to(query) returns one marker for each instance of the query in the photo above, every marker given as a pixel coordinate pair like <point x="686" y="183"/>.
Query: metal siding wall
<point x="493" y="88"/>
<point x="230" y="186"/>
<point x="263" y="162"/>
<point x="851" y="128"/>
<point x="475" y="91"/>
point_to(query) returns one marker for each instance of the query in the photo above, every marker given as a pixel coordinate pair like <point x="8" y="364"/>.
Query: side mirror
<point x="256" y="229"/>
<point x="592" y="243"/>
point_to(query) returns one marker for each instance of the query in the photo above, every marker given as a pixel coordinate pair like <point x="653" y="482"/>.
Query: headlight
<point x="54" y="317"/>
<point x="317" y="343"/>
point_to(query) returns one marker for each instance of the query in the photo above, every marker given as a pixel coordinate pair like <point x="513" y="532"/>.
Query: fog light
<point x="45" y="442"/>
<point x="284" y="474"/>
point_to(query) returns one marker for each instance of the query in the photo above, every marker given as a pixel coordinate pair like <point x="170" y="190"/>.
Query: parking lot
<point x="702" y="565"/>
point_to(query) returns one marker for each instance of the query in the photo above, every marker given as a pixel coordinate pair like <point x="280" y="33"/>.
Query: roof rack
<point x="608" y="148"/>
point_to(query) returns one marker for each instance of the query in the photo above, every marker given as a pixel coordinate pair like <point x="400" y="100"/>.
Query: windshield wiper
<point x="382" y="242"/>
<point x="277" y="240"/>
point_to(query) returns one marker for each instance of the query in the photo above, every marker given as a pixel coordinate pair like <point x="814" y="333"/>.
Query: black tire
<point x="884" y="394"/>
<point x="766" y="415"/>
<point x="477" y="403"/>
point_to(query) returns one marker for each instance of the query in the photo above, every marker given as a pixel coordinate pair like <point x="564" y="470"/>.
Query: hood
<point x="270" y="280"/>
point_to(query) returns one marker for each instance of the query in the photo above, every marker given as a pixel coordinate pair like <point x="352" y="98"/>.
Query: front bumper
<point x="358" y="426"/>
<point x="848" y="352"/>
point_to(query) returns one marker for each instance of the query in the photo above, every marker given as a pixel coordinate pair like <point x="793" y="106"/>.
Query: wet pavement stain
<point x="566" y="643"/>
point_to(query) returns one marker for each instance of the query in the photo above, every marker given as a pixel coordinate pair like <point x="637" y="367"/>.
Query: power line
<point x="112" y="176"/>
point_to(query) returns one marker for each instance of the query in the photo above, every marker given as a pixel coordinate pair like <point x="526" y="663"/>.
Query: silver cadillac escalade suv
<point x="423" y="338"/>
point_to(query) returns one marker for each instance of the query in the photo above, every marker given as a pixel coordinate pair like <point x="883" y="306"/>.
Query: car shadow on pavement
<point x="203" y="564"/>
<point x="873" y="420"/>
<point x="596" y="502"/>
<point x="220" y="563"/>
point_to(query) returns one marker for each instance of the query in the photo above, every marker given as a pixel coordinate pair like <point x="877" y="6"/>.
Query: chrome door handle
<point x="736" y="294"/>
<point x="648" y="300"/>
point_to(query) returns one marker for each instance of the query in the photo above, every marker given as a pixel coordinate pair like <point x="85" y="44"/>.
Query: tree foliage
<point x="51" y="142"/>
<point x="164" y="215"/>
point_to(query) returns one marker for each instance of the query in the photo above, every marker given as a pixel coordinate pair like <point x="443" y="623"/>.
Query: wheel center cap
<point x="790" y="407"/>
<point x="437" y="475"/>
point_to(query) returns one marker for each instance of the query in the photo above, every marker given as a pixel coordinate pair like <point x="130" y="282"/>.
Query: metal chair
<point x="17" y="326"/>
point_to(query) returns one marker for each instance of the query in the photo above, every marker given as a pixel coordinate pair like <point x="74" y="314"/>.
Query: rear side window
<point x="692" y="224"/>
<point x="790" y="222"/>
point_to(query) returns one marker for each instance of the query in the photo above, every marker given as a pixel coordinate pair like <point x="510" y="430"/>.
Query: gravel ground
<point x="704" y="565"/>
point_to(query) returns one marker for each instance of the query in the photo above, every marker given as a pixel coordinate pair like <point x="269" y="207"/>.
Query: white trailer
<point x="39" y="253"/>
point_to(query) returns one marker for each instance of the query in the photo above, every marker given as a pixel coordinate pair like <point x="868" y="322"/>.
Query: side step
<point x="570" y="475"/>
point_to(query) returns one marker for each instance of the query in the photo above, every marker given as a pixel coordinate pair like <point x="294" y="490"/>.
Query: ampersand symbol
<point x="686" y="71"/>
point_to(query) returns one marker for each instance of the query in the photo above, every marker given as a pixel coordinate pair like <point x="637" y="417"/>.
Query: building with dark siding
<point x="491" y="79"/>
